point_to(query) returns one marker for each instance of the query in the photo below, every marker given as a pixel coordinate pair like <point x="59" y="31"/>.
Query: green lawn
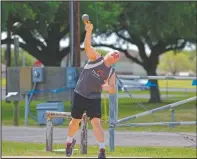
<point x="175" y="83"/>
<point x="184" y="93"/>
<point x="127" y="107"/>
<point x="35" y="149"/>
<point x="162" y="83"/>
<point x="3" y="82"/>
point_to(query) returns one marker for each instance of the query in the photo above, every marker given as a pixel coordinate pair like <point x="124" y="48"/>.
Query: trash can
<point x="49" y="106"/>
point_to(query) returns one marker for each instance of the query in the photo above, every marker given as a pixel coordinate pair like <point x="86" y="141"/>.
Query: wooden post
<point x="84" y="137"/>
<point x="49" y="135"/>
<point x="26" y="109"/>
<point x="16" y="114"/>
<point x="49" y="126"/>
<point x="74" y="11"/>
<point x="49" y="129"/>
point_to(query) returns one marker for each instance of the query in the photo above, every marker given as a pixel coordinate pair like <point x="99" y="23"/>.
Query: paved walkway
<point x="122" y="138"/>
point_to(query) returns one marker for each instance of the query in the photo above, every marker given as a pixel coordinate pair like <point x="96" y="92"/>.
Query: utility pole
<point x="74" y="10"/>
<point x="76" y="58"/>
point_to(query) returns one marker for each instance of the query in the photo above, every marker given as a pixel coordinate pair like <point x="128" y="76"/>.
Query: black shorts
<point x="81" y="104"/>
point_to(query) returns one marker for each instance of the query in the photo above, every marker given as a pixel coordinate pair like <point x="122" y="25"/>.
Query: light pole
<point x="71" y="22"/>
<point x="74" y="10"/>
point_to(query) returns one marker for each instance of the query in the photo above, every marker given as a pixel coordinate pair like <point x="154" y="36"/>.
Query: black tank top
<point x="92" y="77"/>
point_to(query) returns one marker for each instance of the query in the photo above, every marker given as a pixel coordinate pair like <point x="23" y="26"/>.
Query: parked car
<point x="132" y="84"/>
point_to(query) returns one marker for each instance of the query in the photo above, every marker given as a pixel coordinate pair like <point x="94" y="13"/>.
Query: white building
<point x="124" y="66"/>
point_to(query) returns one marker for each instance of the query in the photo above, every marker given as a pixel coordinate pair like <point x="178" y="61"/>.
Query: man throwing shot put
<point x="96" y="76"/>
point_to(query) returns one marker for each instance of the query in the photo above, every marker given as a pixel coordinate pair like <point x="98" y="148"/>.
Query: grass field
<point x="3" y="82"/>
<point x="34" y="149"/>
<point x="175" y="83"/>
<point x="166" y="93"/>
<point x="127" y="107"/>
<point x="162" y="83"/>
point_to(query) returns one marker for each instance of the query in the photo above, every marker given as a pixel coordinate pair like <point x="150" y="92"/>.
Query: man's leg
<point x="94" y="112"/>
<point x="72" y="129"/>
<point x="76" y="113"/>
<point x="98" y="132"/>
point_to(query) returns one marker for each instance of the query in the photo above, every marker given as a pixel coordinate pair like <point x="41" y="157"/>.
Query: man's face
<point x="112" y="57"/>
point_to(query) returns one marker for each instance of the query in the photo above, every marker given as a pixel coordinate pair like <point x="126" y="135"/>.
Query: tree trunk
<point x="16" y="114"/>
<point x="49" y="58"/>
<point x="154" y="91"/>
<point x="8" y="50"/>
<point x="51" y="63"/>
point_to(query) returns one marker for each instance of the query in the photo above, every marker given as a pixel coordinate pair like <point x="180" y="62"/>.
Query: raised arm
<point x="90" y="51"/>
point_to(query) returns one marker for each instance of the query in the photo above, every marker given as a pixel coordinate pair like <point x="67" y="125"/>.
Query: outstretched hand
<point x="88" y="27"/>
<point x="106" y="87"/>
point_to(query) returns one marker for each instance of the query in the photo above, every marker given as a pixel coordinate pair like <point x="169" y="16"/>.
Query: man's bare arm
<point x="110" y="86"/>
<point x="112" y="83"/>
<point x="91" y="53"/>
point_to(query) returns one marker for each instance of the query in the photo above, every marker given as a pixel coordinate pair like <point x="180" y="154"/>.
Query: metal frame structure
<point x="49" y="129"/>
<point x="113" y="109"/>
<point x="158" y="77"/>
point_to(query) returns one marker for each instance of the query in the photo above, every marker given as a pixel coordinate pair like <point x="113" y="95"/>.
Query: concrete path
<point x="126" y="138"/>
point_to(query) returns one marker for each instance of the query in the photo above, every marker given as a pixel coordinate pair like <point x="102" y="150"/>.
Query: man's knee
<point x="95" y="121"/>
<point x="75" y="122"/>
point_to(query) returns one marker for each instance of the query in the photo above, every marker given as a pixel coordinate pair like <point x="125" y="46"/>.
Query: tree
<point x="192" y="57"/>
<point x="193" y="65"/>
<point x="41" y="28"/>
<point x="13" y="8"/>
<point x="174" y="63"/>
<point x="29" y="60"/>
<point x="162" y="26"/>
<point x="42" y="25"/>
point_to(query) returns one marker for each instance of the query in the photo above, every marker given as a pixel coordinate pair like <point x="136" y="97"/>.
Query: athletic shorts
<point x="80" y="104"/>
